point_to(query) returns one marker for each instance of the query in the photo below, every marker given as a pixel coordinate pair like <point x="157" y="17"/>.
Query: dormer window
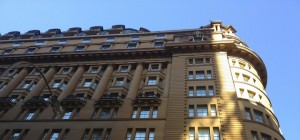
<point x="31" y="50"/>
<point x="110" y="39"/>
<point x="17" y="44"/>
<point x="62" y="41"/>
<point x="86" y="40"/>
<point x="38" y="43"/>
<point x="160" y="36"/>
<point x="7" y="51"/>
<point x="135" y="38"/>
<point x="131" y="45"/>
<point x="79" y="48"/>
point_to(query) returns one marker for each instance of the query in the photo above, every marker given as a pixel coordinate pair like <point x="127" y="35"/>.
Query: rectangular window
<point x="158" y="44"/>
<point x="207" y="60"/>
<point x="86" y="134"/>
<point x="258" y="116"/>
<point x="202" y="111"/>
<point x="107" y="134"/>
<point x="7" y="51"/>
<point x="151" y="134"/>
<point x="131" y="45"/>
<point x="30" y="114"/>
<point x="191" y="111"/>
<point x="201" y="91"/>
<point x="124" y="69"/>
<point x="105" y="113"/>
<point x="191" y="91"/>
<point x="191" y="133"/>
<point x="134" y="113"/>
<point x="199" y="61"/>
<point x="154" y="67"/>
<point x="16" y="134"/>
<point x="134" y="38"/>
<point x="87" y="83"/>
<point x="55" y="49"/>
<point x="110" y="39"/>
<point x="56" y="83"/>
<point x="254" y="135"/>
<point x="160" y="36"/>
<point x="128" y="134"/>
<point x="65" y="70"/>
<point x="119" y="82"/>
<point x="200" y="75"/>
<point x="63" y="85"/>
<point x="265" y="136"/>
<point x="17" y="44"/>
<point x="213" y="110"/>
<point x="26" y="84"/>
<point x="145" y="112"/>
<point x="191" y="75"/>
<point x="155" y="112"/>
<point x="86" y="40"/>
<point x="67" y="114"/>
<point x="140" y="134"/>
<point x="203" y="134"/>
<point x="191" y="61"/>
<point x="216" y="134"/>
<point x="55" y="134"/>
<point x="114" y="115"/>
<point x="106" y="47"/>
<point x="30" y="50"/>
<point x="39" y="43"/>
<point x="211" y="91"/>
<point x="79" y="48"/>
<point x="62" y="41"/>
<point x="94" y="69"/>
<point x="97" y="134"/>
<point x="208" y="74"/>
<point x="95" y="84"/>
<point x="152" y="80"/>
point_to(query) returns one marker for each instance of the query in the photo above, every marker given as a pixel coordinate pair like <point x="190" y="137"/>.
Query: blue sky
<point x="269" y="27"/>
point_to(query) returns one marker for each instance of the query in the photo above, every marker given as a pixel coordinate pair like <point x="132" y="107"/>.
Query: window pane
<point x="204" y="134"/>
<point x="191" y="111"/>
<point x="152" y="81"/>
<point x="191" y="91"/>
<point x="211" y="91"/>
<point x="200" y="75"/>
<point x="209" y="75"/>
<point x="151" y="134"/>
<point x="202" y="111"/>
<point x="216" y="134"/>
<point x="191" y="134"/>
<point x="201" y="91"/>
<point x="191" y="75"/>
<point x="140" y="134"/>
<point x="213" y="110"/>
<point x="134" y="113"/>
<point x="105" y="113"/>
<point x="97" y="134"/>
<point x="145" y="112"/>
<point x="154" y="113"/>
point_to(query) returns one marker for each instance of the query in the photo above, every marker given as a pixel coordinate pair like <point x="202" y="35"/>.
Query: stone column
<point x="134" y="84"/>
<point x="40" y="86"/>
<point x="72" y="83"/>
<point x="103" y="83"/>
<point x="167" y="80"/>
<point x="14" y="83"/>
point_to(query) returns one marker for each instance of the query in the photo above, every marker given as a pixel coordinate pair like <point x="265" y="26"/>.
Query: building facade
<point x="123" y="83"/>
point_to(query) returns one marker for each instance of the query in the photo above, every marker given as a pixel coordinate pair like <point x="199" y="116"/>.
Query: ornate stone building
<point x="123" y="83"/>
